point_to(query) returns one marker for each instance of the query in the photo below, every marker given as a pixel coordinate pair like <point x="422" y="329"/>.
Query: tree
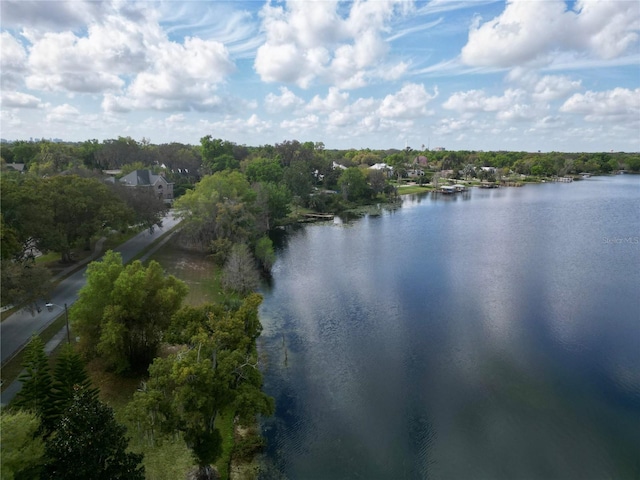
<point x="69" y="376"/>
<point x="468" y="171"/>
<point x="273" y="202"/>
<point x="219" y="212"/>
<point x="24" y="282"/>
<point x="240" y="274"/>
<point x="353" y="184"/>
<point x="21" y="448"/>
<point x="264" y="253"/>
<point x="217" y="372"/>
<point x="77" y="208"/>
<point x="217" y="154"/>
<point x="89" y="443"/>
<point x="36" y="380"/>
<point x="377" y="181"/>
<point x="122" y="312"/>
<point x="146" y="208"/>
<point x="264" y="170"/>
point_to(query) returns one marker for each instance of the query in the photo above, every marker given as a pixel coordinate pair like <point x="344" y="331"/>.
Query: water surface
<point x="493" y="334"/>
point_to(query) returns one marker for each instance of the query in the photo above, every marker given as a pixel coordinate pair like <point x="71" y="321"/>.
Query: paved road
<point x="17" y="329"/>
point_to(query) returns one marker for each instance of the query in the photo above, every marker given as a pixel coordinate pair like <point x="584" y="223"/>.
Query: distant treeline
<point x="193" y="161"/>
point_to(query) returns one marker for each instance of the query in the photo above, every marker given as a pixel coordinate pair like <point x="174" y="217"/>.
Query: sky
<point x="526" y="75"/>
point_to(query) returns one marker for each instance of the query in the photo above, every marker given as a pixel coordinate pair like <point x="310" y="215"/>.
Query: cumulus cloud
<point x="122" y="53"/>
<point x="50" y="15"/>
<point x="619" y="103"/>
<point x="530" y="32"/>
<point x="287" y="100"/>
<point x="512" y="105"/>
<point x="63" y="114"/>
<point x="335" y="100"/>
<point x="410" y="102"/>
<point x="13" y="59"/>
<point x="20" y="100"/>
<point x="311" y="41"/>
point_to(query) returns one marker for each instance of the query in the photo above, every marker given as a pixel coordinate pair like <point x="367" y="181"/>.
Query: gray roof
<point x="141" y="178"/>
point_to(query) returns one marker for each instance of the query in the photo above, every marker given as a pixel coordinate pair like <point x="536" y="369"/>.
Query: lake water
<point x="488" y="335"/>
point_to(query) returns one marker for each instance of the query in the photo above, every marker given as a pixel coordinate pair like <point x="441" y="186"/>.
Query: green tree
<point x="353" y="185"/>
<point x="86" y="314"/>
<point x="77" y="209"/>
<point x="89" y="443"/>
<point x="218" y="372"/>
<point x="35" y="394"/>
<point x="273" y="202"/>
<point x="23" y="282"/>
<point x="217" y="154"/>
<point x="122" y="312"/>
<point x="21" y="448"/>
<point x="218" y="212"/>
<point x="264" y="170"/>
<point x="264" y="253"/>
<point x="69" y="376"/>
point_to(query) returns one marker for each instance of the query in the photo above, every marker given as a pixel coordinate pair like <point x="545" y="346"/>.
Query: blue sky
<point x="480" y="75"/>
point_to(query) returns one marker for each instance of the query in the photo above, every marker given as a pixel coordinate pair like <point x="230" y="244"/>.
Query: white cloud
<point x="618" y="104"/>
<point x="530" y="32"/>
<point x="20" y="100"/>
<point x="13" y="59"/>
<point x="63" y="114"/>
<point x="553" y="87"/>
<point x="301" y="124"/>
<point x="410" y="102"/>
<point x="56" y="15"/>
<point x="126" y="55"/>
<point x="478" y="101"/>
<point x="310" y="41"/>
<point x="335" y="100"/>
<point x="287" y="100"/>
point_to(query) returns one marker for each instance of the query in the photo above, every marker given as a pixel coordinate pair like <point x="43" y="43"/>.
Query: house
<point x="148" y="179"/>
<point x="380" y="166"/>
<point x="18" y="167"/>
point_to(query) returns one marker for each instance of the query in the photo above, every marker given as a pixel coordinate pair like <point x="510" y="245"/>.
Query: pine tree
<point x="35" y="394"/>
<point x="89" y="443"/>
<point x="69" y="376"/>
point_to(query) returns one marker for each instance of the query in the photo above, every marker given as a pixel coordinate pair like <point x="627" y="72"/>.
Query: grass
<point x="412" y="189"/>
<point x="199" y="273"/>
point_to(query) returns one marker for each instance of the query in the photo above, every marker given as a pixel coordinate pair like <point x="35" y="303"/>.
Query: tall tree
<point x="69" y="376"/>
<point x="353" y="184"/>
<point x="89" y="443"/>
<point x="36" y="380"/>
<point x="122" y="312"/>
<point x="217" y="154"/>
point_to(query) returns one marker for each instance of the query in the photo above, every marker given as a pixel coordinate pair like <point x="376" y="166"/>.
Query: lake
<point x="493" y="334"/>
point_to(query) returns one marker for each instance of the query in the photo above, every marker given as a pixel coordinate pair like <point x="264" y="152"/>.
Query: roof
<point x="141" y="178"/>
